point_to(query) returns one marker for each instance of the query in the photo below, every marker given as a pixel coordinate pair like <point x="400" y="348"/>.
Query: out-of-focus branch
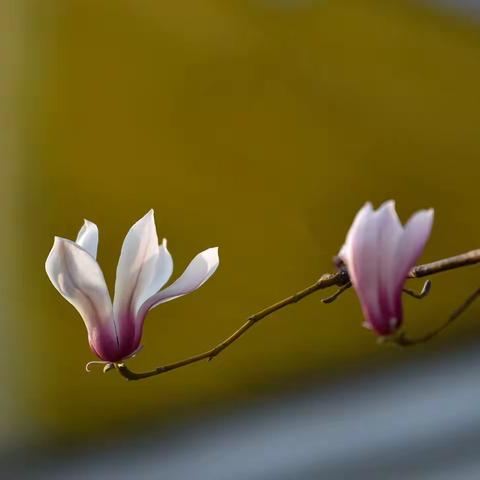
<point x="340" y="279"/>
<point x="469" y="258"/>
<point x="427" y="286"/>
<point x="404" y="341"/>
<point x="335" y="295"/>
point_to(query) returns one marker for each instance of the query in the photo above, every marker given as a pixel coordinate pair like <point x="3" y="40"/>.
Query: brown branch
<point x="327" y="280"/>
<point x="427" y="286"/>
<point x="404" y="341"/>
<point x="336" y="294"/>
<point x="340" y="279"/>
<point x="462" y="260"/>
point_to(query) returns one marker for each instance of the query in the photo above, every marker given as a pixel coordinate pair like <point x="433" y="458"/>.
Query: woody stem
<point x="339" y="279"/>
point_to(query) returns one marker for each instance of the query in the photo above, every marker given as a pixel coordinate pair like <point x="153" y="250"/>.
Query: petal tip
<point x="59" y="241"/>
<point x="427" y="214"/>
<point x="89" y="223"/>
<point x="148" y="217"/>
<point x="210" y="255"/>
<point x="430" y="216"/>
<point x="390" y="204"/>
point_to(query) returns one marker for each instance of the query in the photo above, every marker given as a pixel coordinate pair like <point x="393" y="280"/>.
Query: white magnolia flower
<point x="115" y="331"/>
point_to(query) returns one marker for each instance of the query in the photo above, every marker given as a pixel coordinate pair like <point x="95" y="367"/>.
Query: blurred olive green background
<point x="258" y="126"/>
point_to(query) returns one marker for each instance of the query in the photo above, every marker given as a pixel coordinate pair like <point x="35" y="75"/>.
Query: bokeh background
<point x="258" y="126"/>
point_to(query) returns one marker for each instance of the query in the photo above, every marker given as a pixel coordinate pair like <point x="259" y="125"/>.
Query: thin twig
<point x="427" y="286"/>
<point x="333" y="297"/>
<point x="339" y="279"/>
<point x="327" y="280"/>
<point x="403" y="341"/>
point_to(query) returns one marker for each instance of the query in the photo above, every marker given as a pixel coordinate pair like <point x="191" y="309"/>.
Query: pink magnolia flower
<point x="379" y="252"/>
<point x="115" y="331"/>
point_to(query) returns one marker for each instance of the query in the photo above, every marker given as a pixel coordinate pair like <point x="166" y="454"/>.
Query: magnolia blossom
<point x="379" y="252"/>
<point x="115" y="330"/>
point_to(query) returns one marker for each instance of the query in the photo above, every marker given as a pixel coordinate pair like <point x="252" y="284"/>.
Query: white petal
<point x="413" y="240"/>
<point x="162" y="269"/>
<point x="88" y="238"/>
<point x="136" y="267"/>
<point x="200" y="269"/>
<point x="79" y="279"/>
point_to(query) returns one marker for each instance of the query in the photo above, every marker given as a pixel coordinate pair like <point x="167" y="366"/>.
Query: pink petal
<point x="378" y="254"/>
<point x="390" y="232"/>
<point x="360" y="255"/>
<point x="412" y="243"/>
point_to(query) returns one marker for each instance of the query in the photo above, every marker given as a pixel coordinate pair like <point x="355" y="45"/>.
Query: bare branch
<point x="339" y="279"/>
<point x="427" y="286"/>
<point x="333" y="297"/>
<point x="403" y="341"/>
<point x="462" y="260"/>
<point x="327" y="280"/>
